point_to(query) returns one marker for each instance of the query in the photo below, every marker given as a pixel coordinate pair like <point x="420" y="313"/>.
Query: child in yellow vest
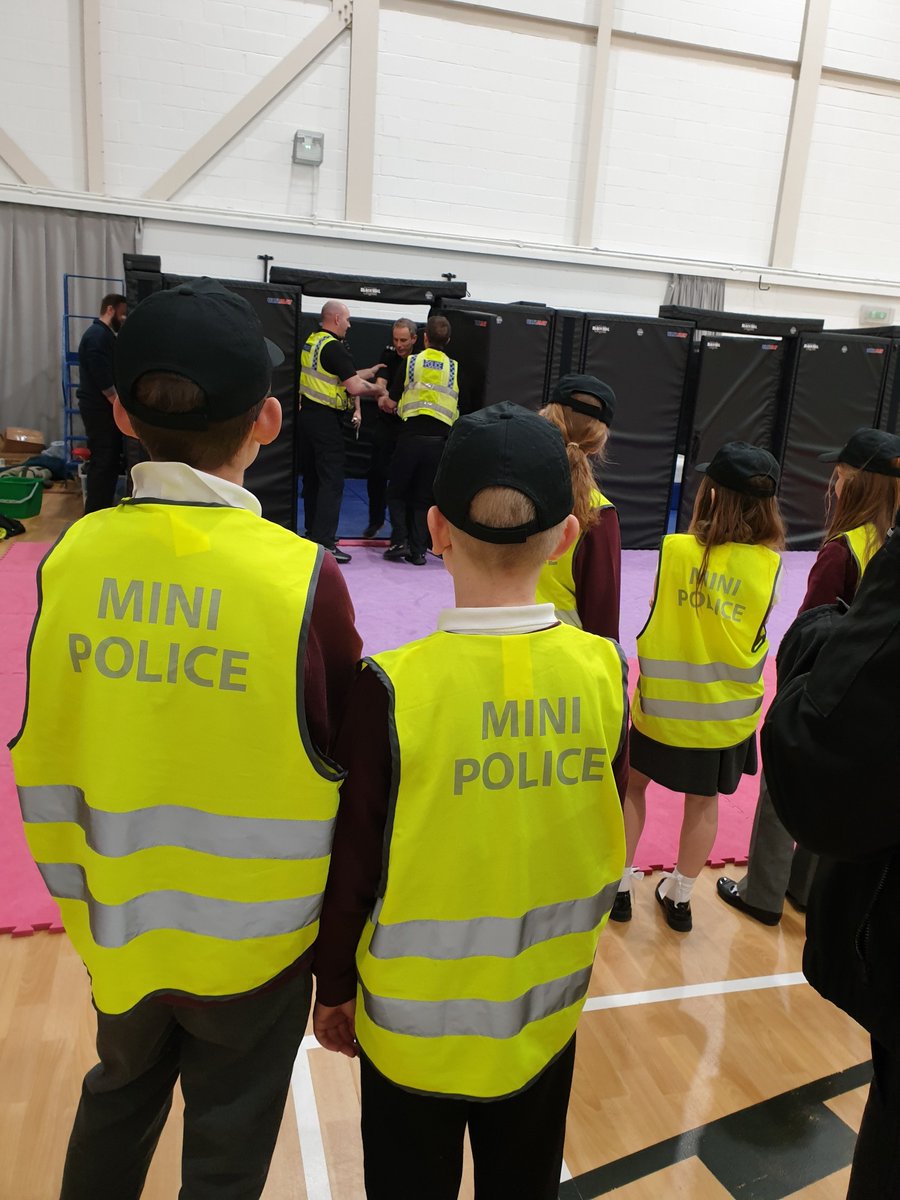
<point x="479" y="842"/>
<point x="863" y="500"/>
<point x="701" y="656"/>
<point x="584" y="584"/>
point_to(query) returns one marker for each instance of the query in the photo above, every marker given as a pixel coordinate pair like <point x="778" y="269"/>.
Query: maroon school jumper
<point x="597" y="571"/>
<point x="833" y="576"/>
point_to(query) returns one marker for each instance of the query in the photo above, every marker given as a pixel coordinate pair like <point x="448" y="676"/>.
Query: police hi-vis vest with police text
<point x="703" y="649"/>
<point x="556" y="582"/>
<point x="863" y="545"/>
<point x="172" y="799"/>
<point x="505" y="849"/>
<point x="316" y="383"/>
<point x="430" y="387"/>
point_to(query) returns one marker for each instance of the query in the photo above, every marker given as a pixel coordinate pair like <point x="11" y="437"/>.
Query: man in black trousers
<point x="96" y="393"/>
<point x="386" y="429"/>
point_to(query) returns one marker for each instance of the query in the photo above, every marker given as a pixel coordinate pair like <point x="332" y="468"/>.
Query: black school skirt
<point x="700" y="772"/>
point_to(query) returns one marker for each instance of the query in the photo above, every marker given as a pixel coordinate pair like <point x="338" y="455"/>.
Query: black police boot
<point x="339" y="555"/>
<point x="396" y="552"/>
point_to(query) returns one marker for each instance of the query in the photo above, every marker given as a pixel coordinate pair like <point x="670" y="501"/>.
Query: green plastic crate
<point x="21" y="497"/>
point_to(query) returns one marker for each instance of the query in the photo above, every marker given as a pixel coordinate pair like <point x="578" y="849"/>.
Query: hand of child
<point x="335" y="1028"/>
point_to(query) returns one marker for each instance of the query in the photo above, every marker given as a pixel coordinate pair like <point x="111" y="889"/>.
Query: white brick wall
<point x="478" y="132"/>
<point x="255" y="171"/>
<point x="849" y="220"/>
<point x="171" y="68"/>
<point x="692" y="155"/>
<point x="864" y="35"/>
<point x="40" y="104"/>
<point x="585" y="11"/>
<point x="771" y="27"/>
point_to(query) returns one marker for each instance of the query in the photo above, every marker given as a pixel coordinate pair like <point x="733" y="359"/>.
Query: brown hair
<point x="866" y="499"/>
<point x="732" y="516"/>
<point x="505" y="508"/>
<point x="437" y="330"/>
<point x="586" y="439"/>
<point x="113" y="300"/>
<point x="205" y="450"/>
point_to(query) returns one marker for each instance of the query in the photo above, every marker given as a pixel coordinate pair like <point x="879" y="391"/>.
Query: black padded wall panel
<point x="837" y="387"/>
<point x="889" y="417"/>
<point x="516" y="367"/>
<point x="644" y="361"/>
<point x="757" y="324"/>
<point x="471" y="341"/>
<point x="272" y="477"/>
<point x="736" y="394"/>
<point x="566" y="346"/>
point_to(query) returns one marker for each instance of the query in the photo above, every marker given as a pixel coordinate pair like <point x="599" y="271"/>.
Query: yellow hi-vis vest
<point x="430" y="387"/>
<point x="171" y="795"/>
<point x="504" y="852"/>
<point x="863" y="545"/>
<point x="315" y="382"/>
<point x="556" y="582"/>
<point x="703" y="649"/>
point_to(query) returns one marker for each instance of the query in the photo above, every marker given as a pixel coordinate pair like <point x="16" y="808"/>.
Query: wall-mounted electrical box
<point x="309" y="148"/>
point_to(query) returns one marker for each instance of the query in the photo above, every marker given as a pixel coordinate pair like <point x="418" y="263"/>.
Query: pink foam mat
<point x="394" y="602"/>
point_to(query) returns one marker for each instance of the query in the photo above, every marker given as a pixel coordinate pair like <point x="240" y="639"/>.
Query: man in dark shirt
<point x="329" y="382"/>
<point x="387" y="424"/>
<point x="96" y="393"/>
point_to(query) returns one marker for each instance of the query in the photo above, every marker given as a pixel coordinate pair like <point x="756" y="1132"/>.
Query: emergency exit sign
<point x="870" y="315"/>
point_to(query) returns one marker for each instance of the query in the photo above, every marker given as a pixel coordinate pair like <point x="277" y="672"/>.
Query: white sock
<point x="677" y="887"/>
<point x="628" y="878"/>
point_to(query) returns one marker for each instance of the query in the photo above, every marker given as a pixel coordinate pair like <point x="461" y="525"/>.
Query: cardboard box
<point x="15" y="438"/>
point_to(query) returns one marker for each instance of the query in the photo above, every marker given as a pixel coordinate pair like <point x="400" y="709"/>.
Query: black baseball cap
<point x="588" y="385"/>
<point x="504" y="446"/>
<point x="736" y="464"/>
<point x="208" y="334"/>
<point x="869" y="450"/>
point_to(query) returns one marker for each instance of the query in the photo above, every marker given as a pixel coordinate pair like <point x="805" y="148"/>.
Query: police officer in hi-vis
<point x="428" y="408"/>
<point x="330" y="386"/>
<point x="473" y="871"/>
<point x="185" y="667"/>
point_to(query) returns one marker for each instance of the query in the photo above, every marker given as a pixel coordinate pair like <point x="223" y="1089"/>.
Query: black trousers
<point x="413" y="1145"/>
<point x="322" y="460"/>
<point x="384" y="441"/>
<point x="876" y="1162"/>
<point x="107" y="446"/>
<point x="235" y="1059"/>
<point x="411" y="488"/>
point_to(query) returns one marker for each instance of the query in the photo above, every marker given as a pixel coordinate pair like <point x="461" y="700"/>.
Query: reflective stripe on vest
<point x="315" y="383"/>
<point x="430" y="387"/>
<point x="863" y="545"/>
<point x="703" y="649"/>
<point x="556" y="582"/>
<point x="180" y="814"/>
<point x="476" y="960"/>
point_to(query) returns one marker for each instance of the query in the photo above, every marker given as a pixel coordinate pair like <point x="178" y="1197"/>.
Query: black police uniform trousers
<point x="106" y="444"/>
<point x="384" y="442"/>
<point x="413" y="1144"/>
<point x="411" y="486"/>
<point x="234" y="1058"/>
<point x="322" y="459"/>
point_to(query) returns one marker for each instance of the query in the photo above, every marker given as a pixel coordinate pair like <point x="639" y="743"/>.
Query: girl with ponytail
<point x="583" y="585"/>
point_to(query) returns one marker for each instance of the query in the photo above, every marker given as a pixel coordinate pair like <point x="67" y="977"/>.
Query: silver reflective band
<point x="683" y="710"/>
<point x="321" y="375"/>
<point x="714" y="672"/>
<point x="116" y="834"/>
<point x="496" y="937"/>
<point x="476" y="1018"/>
<point x="414" y="407"/>
<point x="115" y="925"/>
<point x="433" y="387"/>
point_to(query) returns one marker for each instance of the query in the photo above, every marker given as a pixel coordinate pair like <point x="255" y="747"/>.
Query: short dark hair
<point x="205" y="450"/>
<point x="113" y="300"/>
<point x="438" y="331"/>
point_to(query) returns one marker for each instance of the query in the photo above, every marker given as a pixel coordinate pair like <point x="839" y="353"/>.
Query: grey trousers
<point x="774" y="866"/>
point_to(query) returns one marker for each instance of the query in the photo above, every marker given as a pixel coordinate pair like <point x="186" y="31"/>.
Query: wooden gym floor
<point x="706" y="1067"/>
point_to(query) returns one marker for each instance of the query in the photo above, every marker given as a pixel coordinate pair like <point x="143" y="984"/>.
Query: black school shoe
<point x="678" y="916"/>
<point x="397" y="552"/>
<point x="621" y="909"/>
<point x="728" y="891"/>
<point x="417" y="560"/>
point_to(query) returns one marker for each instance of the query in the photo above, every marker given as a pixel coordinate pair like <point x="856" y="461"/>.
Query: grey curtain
<point x="695" y="291"/>
<point x="38" y="246"/>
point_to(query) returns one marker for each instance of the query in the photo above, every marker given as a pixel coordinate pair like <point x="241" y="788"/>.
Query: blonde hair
<point x="866" y="499"/>
<point x="586" y="439"/>
<point x="730" y="516"/>
<point x="505" y="508"/>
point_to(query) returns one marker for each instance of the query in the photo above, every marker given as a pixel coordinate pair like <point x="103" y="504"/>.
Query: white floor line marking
<point x="689" y="991"/>
<point x="309" y="1132"/>
<point x="565" y="1173"/>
